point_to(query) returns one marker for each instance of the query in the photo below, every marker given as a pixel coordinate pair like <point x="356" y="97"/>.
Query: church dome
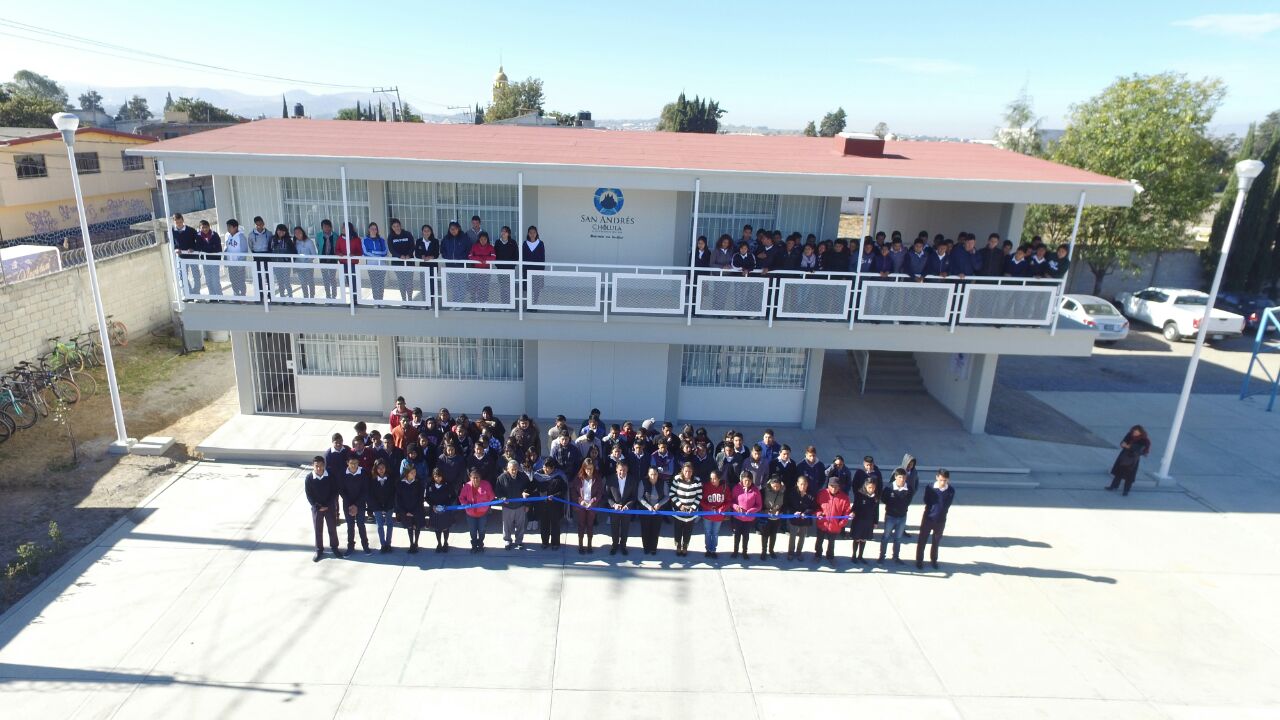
<point x="500" y="78"/>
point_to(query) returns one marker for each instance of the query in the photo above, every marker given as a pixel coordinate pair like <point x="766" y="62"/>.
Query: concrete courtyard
<point x="1055" y="599"/>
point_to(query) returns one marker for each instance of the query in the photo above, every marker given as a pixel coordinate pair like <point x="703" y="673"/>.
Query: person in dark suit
<point x="937" y="502"/>
<point x="620" y="492"/>
<point x="409" y="495"/>
<point x="1133" y="448"/>
<point x="322" y="495"/>
<point x="353" y="487"/>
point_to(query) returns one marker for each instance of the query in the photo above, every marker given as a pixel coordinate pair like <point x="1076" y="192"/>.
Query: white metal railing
<point x="607" y="290"/>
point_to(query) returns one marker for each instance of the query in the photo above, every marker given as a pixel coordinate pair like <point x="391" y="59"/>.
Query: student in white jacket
<point x="236" y="247"/>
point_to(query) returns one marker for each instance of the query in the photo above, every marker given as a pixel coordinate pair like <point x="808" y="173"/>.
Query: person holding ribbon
<point x="409" y="496"/>
<point x="833" y="515"/>
<point x="477" y="491"/>
<point x="549" y="482"/>
<point x="686" y="496"/>
<point x="586" y="492"/>
<point x="801" y="505"/>
<point x="715" y="500"/>
<point x="440" y="495"/>
<point x="654" y="497"/>
<point x="746" y="502"/>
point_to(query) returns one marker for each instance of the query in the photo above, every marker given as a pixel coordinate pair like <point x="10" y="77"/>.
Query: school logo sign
<point x="608" y="201"/>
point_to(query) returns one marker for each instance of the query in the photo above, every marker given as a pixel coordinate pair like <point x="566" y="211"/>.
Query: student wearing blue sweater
<point x="937" y="503"/>
<point x="375" y="246"/>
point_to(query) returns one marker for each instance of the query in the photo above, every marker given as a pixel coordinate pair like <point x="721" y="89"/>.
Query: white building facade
<point x="616" y="318"/>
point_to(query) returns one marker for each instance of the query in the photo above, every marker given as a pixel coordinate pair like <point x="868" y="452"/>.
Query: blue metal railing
<point x="1270" y="319"/>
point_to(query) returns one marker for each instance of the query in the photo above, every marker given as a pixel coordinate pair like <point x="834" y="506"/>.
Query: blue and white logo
<point x="608" y="201"/>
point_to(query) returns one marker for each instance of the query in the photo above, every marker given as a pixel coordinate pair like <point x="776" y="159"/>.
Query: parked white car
<point x="1097" y="313"/>
<point x="1177" y="313"/>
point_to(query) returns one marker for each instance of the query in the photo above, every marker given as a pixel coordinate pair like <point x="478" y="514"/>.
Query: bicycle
<point x="64" y="354"/>
<point x="41" y="381"/>
<point x="15" y="410"/>
<point x="83" y="379"/>
<point x="117" y="332"/>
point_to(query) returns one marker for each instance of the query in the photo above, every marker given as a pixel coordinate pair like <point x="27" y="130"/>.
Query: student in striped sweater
<point x="686" y="496"/>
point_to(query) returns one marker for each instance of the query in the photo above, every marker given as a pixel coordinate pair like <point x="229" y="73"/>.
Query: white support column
<point x="693" y="235"/>
<point x="524" y="235"/>
<point x="168" y="231"/>
<point x="1071" y="251"/>
<point x="857" y="268"/>
<point x="346" y="230"/>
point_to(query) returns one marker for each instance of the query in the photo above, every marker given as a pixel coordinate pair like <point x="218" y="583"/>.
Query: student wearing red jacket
<point x="833" y="511"/>
<point x="477" y="490"/>
<point x="715" y="499"/>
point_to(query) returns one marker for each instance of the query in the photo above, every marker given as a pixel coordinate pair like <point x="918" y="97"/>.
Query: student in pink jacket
<point x="746" y="499"/>
<point x="477" y="490"/>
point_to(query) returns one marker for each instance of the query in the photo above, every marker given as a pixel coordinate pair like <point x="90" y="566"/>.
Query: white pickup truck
<point x="1178" y="312"/>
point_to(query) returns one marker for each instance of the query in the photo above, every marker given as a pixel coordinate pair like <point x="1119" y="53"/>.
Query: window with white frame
<point x="307" y="201"/>
<point x="457" y="358"/>
<point x="720" y="213"/>
<point x="437" y="203"/>
<point x="131" y="162"/>
<point x="337" y="355"/>
<point x="744" y="366"/>
<point x="87" y="163"/>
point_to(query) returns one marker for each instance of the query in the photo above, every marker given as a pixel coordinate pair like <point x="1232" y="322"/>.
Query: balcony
<point x="801" y="309"/>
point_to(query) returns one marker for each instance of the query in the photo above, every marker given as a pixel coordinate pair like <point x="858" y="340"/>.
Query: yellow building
<point x="37" y="204"/>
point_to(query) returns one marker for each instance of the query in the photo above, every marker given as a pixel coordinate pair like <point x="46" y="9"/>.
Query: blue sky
<point x="921" y="67"/>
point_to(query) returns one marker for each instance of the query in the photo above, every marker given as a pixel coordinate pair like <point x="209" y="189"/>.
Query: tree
<point x="1267" y="130"/>
<point x="1149" y="128"/>
<point x="881" y="130"/>
<point x="1250" y="266"/>
<point x="381" y="117"/>
<point x="201" y="111"/>
<point x="135" y="109"/>
<point x="284" y="105"/>
<point x="810" y="130"/>
<point x="91" y="100"/>
<point x="696" y="115"/>
<point x="40" y="86"/>
<point x="30" y="100"/>
<point x="514" y="99"/>
<point x="350" y="113"/>
<point x="1021" y="131"/>
<point x="832" y="123"/>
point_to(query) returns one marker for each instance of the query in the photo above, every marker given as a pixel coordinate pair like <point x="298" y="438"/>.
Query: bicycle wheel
<point x="118" y="333"/>
<point x="41" y="402"/>
<point x="85" y="380"/>
<point x="5" y="432"/>
<point x="20" y="412"/>
<point x="65" y="389"/>
<point x="98" y="357"/>
<point x="7" y="421"/>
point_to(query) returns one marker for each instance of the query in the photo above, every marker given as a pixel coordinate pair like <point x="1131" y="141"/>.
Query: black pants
<point x="769" y="535"/>
<point x="831" y="544"/>
<point x="1127" y="479"/>
<point x="682" y="531"/>
<point x="649" y="529"/>
<point x="319" y="520"/>
<point x="928" y="526"/>
<point x="354" y="522"/>
<point x="550" y="516"/>
<point x="619" y="527"/>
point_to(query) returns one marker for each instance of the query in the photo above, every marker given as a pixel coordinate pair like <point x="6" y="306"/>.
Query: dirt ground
<point x="163" y="393"/>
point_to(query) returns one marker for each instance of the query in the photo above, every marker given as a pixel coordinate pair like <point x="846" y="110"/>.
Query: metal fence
<point x="602" y="290"/>
<point x="111" y="248"/>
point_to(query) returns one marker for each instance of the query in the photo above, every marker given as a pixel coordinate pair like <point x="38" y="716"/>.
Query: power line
<point x="156" y="56"/>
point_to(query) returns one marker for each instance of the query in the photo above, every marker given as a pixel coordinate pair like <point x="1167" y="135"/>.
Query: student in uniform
<point x="621" y="492"/>
<point x="801" y="505"/>
<point x="896" y="498"/>
<point x="400" y="247"/>
<point x="381" y="499"/>
<point x="440" y="495"/>
<point x="374" y="247"/>
<point x="549" y="482"/>
<point x="322" y="494"/>
<point x="840" y="472"/>
<point x="1060" y="263"/>
<point x="812" y="468"/>
<point x="784" y="467"/>
<point x="353" y="489"/>
<point x="653" y="496"/>
<point x="866" y="513"/>
<point x="832" y="514"/>
<point x="686" y="497"/>
<point x="586" y="492"/>
<point x="869" y="470"/>
<point x="307" y="251"/>
<point x="746" y="501"/>
<point x="409" y="494"/>
<point x="476" y="491"/>
<point x="327" y="245"/>
<point x="937" y="503"/>
<point x="209" y="246"/>
<point x="716" y="500"/>
<point x="506" y="250"/>
<point x="773" y="503"/>
<point x="282" y="245"/>
<point x="453" y="465"/>
<point x="513" y="484"/>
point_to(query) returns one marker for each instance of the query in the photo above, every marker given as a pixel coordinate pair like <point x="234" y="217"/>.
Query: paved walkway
<point x="1050" y="603"/>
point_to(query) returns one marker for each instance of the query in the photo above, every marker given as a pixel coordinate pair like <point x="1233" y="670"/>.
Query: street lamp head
<point x="66" y="124"/>
<point x="1248" y="171"/>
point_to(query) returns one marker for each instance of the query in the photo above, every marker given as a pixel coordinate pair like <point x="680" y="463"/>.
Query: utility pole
<point x="399" y="103"/>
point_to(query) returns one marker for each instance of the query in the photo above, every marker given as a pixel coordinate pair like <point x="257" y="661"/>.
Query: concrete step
<point x="152" y="445"/>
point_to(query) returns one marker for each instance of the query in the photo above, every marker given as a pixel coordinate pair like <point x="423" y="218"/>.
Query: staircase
<point x="893" y="373"/>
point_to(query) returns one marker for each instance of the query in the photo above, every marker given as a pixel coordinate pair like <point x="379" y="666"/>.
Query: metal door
<point x="271" y="363"/>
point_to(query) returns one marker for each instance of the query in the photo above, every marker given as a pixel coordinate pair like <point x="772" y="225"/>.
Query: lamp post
<point x="67" y="124"/>
<point x="1246" y="172"/>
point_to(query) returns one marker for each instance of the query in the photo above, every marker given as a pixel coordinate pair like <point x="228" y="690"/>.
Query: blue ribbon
<point x="650" y="513"/>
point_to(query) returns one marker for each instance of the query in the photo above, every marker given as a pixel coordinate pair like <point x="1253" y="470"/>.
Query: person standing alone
<point x="1135" y="445"/>
<point x="322" y="495"/>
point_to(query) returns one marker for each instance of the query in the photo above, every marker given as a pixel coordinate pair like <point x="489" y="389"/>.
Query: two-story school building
<point x="615" y="318"/>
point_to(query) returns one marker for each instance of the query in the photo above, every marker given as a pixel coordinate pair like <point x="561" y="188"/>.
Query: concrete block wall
<point x="135" y="289"/>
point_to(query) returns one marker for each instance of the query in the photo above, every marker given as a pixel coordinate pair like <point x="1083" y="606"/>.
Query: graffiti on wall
<point x="41" y="222"/>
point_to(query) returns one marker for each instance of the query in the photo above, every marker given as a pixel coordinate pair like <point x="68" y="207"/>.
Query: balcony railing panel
<point x="612" y="289"/>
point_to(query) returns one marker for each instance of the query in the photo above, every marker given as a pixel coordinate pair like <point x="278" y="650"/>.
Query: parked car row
<point x="1176" y="312"/>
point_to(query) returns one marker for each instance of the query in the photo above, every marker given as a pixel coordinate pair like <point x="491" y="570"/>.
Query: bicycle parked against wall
<point x="16" y="409"/>
<point x="44" y="387"/>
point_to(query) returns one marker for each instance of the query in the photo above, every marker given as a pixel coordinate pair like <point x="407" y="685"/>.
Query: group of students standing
<point x="429" y="470"/>
<point x="764" y="251"/>
<point x="274" y="249"/>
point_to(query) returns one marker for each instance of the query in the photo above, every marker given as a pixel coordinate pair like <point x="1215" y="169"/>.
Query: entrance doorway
<point x="271" y="364"/>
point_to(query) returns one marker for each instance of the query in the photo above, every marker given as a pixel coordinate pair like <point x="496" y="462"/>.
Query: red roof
<point x="612" y="148"/>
